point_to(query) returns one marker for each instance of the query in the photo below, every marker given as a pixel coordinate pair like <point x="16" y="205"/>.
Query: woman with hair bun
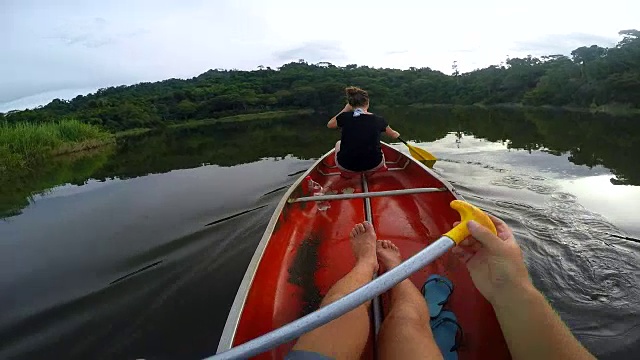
<point x="359" y="145"/>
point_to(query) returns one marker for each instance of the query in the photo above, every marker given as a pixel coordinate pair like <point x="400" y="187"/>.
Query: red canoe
<point x="304" y="251"/>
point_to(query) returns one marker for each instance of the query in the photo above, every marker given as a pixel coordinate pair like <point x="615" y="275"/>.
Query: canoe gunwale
<point x="231" y="325"/>
<point x="233" y="319"/>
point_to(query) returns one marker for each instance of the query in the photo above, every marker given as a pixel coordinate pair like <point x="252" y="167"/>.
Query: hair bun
<point x="352" y="90"/>
<point x="356" y="96"/>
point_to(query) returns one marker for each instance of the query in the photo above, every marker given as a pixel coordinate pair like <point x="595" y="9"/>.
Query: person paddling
<point x="359" y="145"/>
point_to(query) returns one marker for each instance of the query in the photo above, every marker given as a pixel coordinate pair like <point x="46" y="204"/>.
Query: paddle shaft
<point x="623" y="237"/>
<point x="340" y="307"/>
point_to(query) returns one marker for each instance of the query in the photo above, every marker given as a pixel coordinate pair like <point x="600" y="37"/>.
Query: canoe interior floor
<point x="310" y="250"/>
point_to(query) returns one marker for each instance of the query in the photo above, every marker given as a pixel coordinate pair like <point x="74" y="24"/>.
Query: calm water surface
<point x="138" y="250"/>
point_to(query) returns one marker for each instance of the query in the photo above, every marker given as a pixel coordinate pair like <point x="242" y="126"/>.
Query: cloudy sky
<point x="64" y="48"/>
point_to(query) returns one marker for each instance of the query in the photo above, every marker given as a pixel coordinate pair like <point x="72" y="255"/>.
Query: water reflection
<point x="589" y="140"/>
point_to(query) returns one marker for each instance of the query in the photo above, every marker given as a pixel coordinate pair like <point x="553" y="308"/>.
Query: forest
<point x="591" y="77"/>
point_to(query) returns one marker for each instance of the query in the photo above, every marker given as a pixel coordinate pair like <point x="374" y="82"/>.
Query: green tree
<point x="592" y="76"/>
<point x="186" y="109"/>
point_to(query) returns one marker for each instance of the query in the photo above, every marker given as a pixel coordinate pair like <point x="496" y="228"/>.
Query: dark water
<point x="122" y="253"/>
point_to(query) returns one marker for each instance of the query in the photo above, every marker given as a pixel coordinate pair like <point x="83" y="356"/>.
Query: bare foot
<point x="388" y="254"/>
<point x="363" y="243"/>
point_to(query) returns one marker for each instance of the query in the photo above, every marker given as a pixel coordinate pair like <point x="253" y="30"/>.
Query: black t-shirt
<point x="360" y="142"/>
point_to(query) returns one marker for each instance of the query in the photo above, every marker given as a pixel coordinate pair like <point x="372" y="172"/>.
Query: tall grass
<point x="24" y="144"/>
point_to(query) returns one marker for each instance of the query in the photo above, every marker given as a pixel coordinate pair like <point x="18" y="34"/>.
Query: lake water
<point x="136" y="251"/>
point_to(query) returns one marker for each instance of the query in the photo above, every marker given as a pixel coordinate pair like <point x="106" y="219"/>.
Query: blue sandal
<point x="447" y="333"/>
<point x="436" y="291"/>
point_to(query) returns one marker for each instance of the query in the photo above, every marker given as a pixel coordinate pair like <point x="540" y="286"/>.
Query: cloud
<point x="396" y="52"/>
<point x="562" y="43"/>
<point x="52" y="46"/>
<point x="86" y="40"/>
<point x="32" y="101"/>
<point x="464" y="51"/>
<point x="312" y="51"/>
<point x="95" y="33"/>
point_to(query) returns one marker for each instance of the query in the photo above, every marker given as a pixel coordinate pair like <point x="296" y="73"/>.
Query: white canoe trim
<point x="231" y="325"/>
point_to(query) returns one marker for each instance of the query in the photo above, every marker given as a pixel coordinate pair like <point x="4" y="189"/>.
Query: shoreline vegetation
<point x="619" y="111"/>
<point x="613" y="110"/>
<point x="583" y="138"/>
<point x="24" y="146"/>
<point x="267" y="115"/>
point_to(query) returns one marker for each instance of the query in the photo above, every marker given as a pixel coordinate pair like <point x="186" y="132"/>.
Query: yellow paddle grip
<point x="468" y="212"/>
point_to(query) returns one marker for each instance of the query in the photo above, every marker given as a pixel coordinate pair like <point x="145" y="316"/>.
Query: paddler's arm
<point x="392" y="133"/>
<point x="531" y="328"/>
<point x="333" y="123"/>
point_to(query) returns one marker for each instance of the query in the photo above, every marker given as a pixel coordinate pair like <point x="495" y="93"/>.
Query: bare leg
<point x="346" y="336"/>
<point x="405" y="331"/>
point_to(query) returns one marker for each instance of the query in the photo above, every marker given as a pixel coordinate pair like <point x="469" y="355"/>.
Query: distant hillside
<point x="593" y="76"/>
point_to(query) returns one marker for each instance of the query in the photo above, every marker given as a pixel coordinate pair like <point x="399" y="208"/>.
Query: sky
<point x="59" y="49"/>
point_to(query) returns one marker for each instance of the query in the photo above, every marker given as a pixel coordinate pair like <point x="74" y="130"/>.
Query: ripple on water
<point x="541" y="188"/>
<point x="583" y="219"/>
<point x="538" y="219"/>
<point x="576" y="267"/>
<point x="513" y="205"/>
<point x="591" y="280"/>
<point x="538" y="178"/>
<point x="511" y="181"/>
<point x="595" y="271"/>
<point x="477" y="163"/>
<point x="570" y="256"/>
<point x="564" y="197"/>
<point x="536" y="184"/>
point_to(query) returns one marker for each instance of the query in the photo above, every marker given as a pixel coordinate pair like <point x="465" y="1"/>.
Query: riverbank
<point x="24" y="146"/>
<point x="619" y="111"/>
<point x="613" y="109"/>
<point x="267" y="115"/>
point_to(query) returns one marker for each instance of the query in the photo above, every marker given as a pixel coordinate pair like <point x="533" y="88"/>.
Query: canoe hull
<point x="304" y="251"/>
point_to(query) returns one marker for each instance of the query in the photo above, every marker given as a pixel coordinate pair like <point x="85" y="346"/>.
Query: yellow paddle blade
<point x="422" y="155"/>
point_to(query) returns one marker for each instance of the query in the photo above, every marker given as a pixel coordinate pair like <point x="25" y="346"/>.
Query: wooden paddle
<point x="421" y="155"/>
